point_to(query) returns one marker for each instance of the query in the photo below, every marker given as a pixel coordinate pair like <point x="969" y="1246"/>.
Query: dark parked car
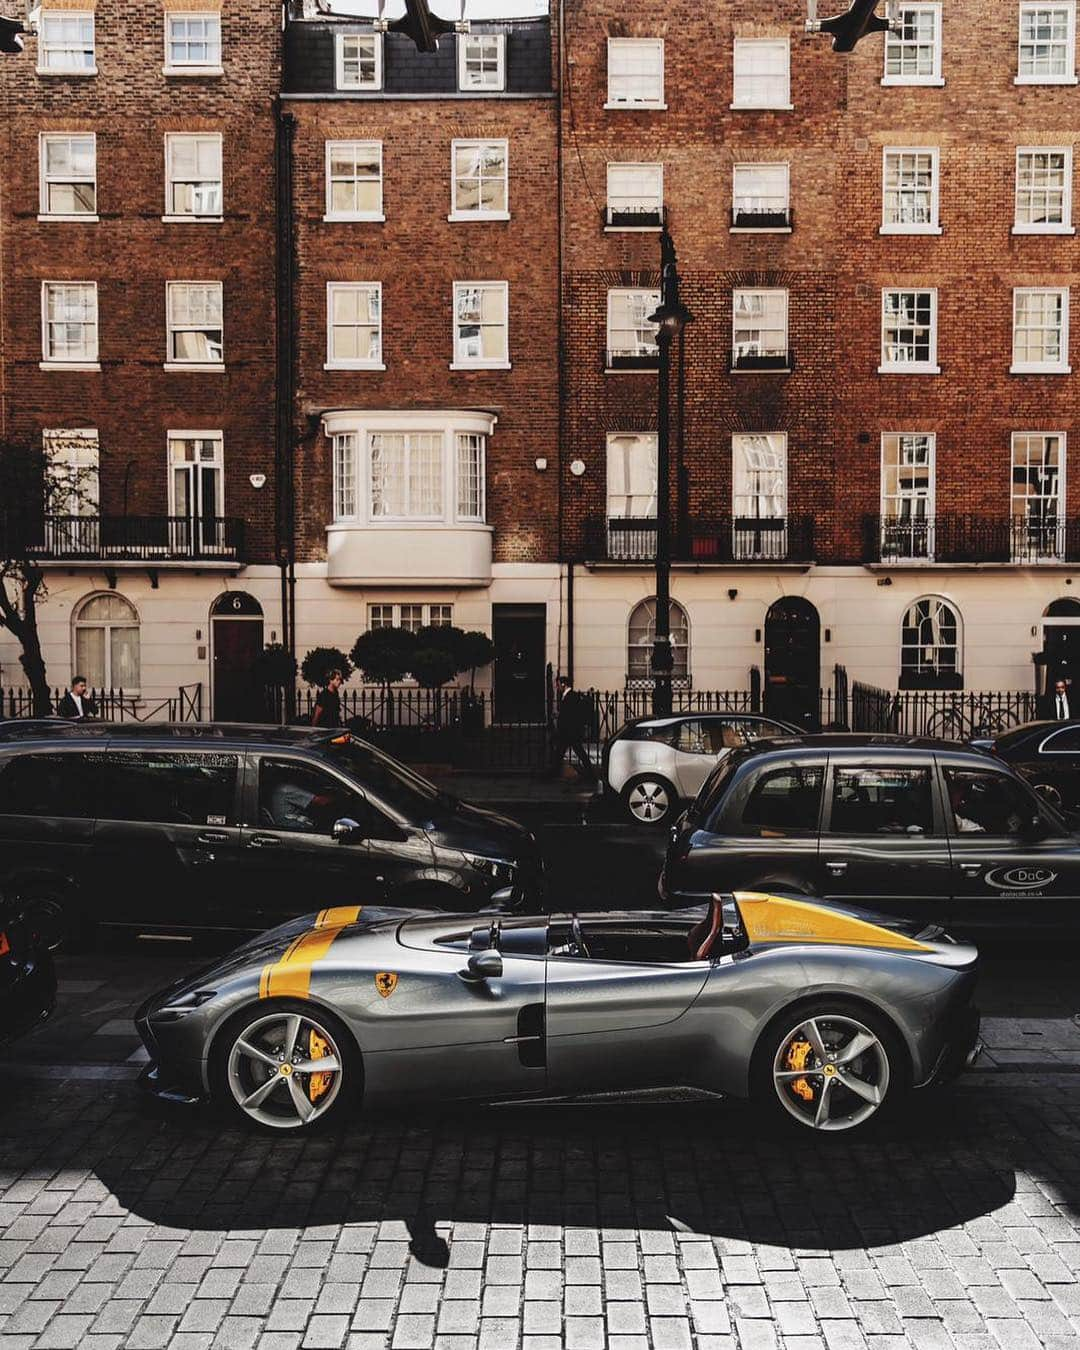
<point x="911" y="827"/>
<point x="159" y="828"/>
<point x="1047" y="754"/>
<point x="27" y="980"/>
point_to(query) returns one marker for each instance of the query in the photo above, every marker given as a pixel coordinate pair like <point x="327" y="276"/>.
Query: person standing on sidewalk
<point x="77" y="703"/>
<point x="327" y="710"/>
<point x="571" y="723"/>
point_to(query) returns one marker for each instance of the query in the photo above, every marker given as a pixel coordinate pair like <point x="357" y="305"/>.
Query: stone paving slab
<point x="647" y="1226"/>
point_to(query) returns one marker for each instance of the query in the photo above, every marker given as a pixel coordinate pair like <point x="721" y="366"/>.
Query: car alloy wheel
<point x="1049" y="793"/>
<point x="649" y="801"/>
<point x="285" y="1069"/>
<point x="831" y="1072"/>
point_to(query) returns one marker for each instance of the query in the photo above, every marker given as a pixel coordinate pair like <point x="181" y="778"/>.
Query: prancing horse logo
<point x="386" y="982"/>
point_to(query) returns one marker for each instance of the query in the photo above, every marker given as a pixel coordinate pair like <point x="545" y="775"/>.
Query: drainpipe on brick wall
<point x="285" y="492"/>
<point x="561" y="349"/>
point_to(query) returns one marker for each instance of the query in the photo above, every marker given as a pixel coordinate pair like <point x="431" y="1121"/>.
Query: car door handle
<point x="837" y="868"/>
<point x="264" y="841"/>
<point x="971" y="869"/>
<point x="211" y="838"/>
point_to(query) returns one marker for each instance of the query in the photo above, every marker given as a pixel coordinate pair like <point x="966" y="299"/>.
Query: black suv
<point x="187" y="826"/>
<point x="911" y="827"/>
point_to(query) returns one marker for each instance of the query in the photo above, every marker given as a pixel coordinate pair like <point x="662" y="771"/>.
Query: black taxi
<point x="918" y="828"/>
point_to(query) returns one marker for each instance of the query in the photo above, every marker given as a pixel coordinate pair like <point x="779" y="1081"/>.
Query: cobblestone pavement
<point x="658" y="1223"/>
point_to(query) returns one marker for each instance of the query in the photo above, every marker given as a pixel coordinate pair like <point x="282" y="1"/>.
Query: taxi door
<point x="1014" y="864"/>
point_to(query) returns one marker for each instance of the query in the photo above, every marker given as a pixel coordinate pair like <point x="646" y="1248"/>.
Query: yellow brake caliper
<point x="797" y="1055"/>
<point x="319" y="1083"/>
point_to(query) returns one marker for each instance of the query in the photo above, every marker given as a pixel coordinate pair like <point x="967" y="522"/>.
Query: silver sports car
<point x="824" y="1016"/>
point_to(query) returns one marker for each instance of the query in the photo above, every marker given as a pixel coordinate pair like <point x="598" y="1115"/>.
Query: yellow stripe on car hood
<point x="775" y="918"/>
<point x="290" y="975"/>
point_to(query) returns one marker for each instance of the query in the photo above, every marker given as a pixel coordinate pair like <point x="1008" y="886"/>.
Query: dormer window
<point x="359" y="61"/>
<point x="482" y="62"/>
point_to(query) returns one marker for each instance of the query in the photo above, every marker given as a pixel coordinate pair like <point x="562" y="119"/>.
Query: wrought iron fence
<point x="127" y="538"/>
<point x="114" y="705"/>
<point x="971" y="539"/>
<point x="725" y="539"/>
<point x="950" y="715"/>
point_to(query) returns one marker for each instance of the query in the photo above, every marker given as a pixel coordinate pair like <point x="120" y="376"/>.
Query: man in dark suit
<point x="571" y="724"/>
<point x="77" y="703"/>
<point x="1059" y="702"/>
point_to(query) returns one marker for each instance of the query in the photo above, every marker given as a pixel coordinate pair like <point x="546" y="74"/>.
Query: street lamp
<point x="670" y="317"/>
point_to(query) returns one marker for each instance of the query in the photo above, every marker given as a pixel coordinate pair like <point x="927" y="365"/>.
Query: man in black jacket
<point x="77" y="703"/>
<point x="571" y="724"/>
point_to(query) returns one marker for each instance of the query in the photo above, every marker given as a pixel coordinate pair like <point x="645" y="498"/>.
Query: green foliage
<point x="320" y="661"/>
<point x="384" y="655"/>
<point x="275" y="667"/>
<point x="432" y="666"/>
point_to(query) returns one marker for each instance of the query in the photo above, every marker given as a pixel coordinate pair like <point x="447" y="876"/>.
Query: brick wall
<point x="834" y="406"/>
<point x="131" y="253"/>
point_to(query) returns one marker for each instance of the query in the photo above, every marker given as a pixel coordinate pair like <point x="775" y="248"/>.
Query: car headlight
<point x="180" y="1007"/>
<point x="499" y="870"/>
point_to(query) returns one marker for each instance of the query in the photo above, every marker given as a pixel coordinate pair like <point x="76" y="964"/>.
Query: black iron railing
<point x="651" y="218"/>
<point x="971" y="539"/>
<point x="953" y="715"/>
<point x="126" y="538"/>
<point x="762" y="218"/>
<point x="747" y="361"/>
<point x="115" y="705"/>
<point x="631" y="360"/>
<point x="727" y="539"/>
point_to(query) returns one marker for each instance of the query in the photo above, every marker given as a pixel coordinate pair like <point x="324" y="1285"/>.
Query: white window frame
<point x="1060" y="367"/>
<point x="746" y="543"/>
<point x="621" y="448"/>
<point x="173" y="363"/>
<point x="917" y="670"/>
<point x="195" y="69"/>
<point x="460" y="213"/>
<point x="1057" y="552"/>
<point x="935" y="79"/>
<point x="329" y="214"/>
<point x="217" y="436"/>
<point x="657" y="170"/>
<point x="1065" y="225"/>
<point x="375" y="86"/>
<point x="397" y="606"/>
<point x="460" y="362"/>
<point x="88" y="361"/>
<point x="930" y="365"/>
<point x="629" y="104"/>
<point x="761" y="164"/>
<point x="173" y="217"/>
<point x="775" y="295"/>
<point x="1069" y="77"/>
<point x="495" y="86"/>
<point x="654" y="300"/>
<point x="337" y="363"/>
<point x="930" y="497"/>
<point x="44" y="137"/>
<point x="345" y="488"/>
<point x="107" y="625"/>
<point x="362" y="424"/>
<point x="933" y="226"/>
<point x="460" y="516"/>
<point x="43" y="47"/>
<point x="784" y="104"/>
<point x="198" y="534"/>
<point x="76" y="453"/>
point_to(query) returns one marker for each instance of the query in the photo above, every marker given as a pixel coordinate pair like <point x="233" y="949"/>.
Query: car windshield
<point x="713" y="788"/>
<point x="394" y="784"/>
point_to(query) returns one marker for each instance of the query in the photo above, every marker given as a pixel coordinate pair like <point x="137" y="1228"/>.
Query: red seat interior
<point x="704" y="935"/>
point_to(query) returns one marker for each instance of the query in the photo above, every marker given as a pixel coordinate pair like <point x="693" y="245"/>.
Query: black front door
<point x="793" y="661"/>
<point x="520" y="636"/>
<point x="237" y="696"/>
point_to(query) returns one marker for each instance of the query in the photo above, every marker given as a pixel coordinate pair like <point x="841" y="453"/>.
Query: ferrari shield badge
<point x="386" y="982"/>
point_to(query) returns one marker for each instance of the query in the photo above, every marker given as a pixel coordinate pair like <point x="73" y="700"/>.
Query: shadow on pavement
<point x="703" y="1167"/>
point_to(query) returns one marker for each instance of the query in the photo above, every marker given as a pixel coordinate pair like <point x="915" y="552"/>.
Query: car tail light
<point x="5" y="945"/>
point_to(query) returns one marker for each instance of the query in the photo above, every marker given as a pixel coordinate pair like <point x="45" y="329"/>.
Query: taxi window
<point x="984" y="802"/>
<point x="62" y="786"/>
<point x="785" y="802"/>
<point x="1065" y="742"/>
<point x="173" y="787"/>
<point x="887" y="799"/>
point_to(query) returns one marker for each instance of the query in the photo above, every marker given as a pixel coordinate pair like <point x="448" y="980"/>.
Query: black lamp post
<point x="671" y="317"/>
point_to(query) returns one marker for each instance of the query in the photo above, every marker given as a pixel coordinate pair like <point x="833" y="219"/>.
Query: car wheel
<point x="49" y="917"/>
<point x="1049" y="793"/>
<point x="830" y="1066"/>
<point x="649" y="800"/>
<point x="289" y="1066"/>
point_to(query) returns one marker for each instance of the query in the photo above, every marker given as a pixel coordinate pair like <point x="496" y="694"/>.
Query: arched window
<point x="641" y="634"/>
<point x="931" y="648"/>
<point x="107" y="642"/>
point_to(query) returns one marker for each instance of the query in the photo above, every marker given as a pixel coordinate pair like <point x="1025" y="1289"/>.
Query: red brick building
<point x="137" y="221"/>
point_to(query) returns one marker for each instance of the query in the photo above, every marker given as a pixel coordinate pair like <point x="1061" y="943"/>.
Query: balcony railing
<point x="723" y="541"/>
<point x="762" y="217"/>
<point x="641" y="360"/>
<point x="763" y="361"/>
<point x="645" y="218"/>
<point x="150" y="539"/>
<point x="971" y="539"/>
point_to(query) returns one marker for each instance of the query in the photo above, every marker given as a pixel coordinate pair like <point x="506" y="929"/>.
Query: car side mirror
<point x="347" y="831"/>
<point x="483" y="966"/>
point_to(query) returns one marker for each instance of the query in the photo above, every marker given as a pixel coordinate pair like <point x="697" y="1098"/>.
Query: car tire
<point x="52" y="920"/>
<point x="1049" y="793"/>
<point x="800" y="1090"/>
<point x="252" y="1043"/>
<point x="650" y="800"/>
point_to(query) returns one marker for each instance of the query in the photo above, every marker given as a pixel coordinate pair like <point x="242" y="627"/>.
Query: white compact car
<point x="654" y="763"/>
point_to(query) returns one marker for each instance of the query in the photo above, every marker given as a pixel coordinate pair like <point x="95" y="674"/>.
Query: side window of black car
<point x="784" y="802"/>
<point x="60" y="786"/>
<point x="984" y="802"/>
<point x="299" y="797"/>
<point x="1065" y="742"/>
<point x="170" y="787"/>
<point x="887" y="799"/>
